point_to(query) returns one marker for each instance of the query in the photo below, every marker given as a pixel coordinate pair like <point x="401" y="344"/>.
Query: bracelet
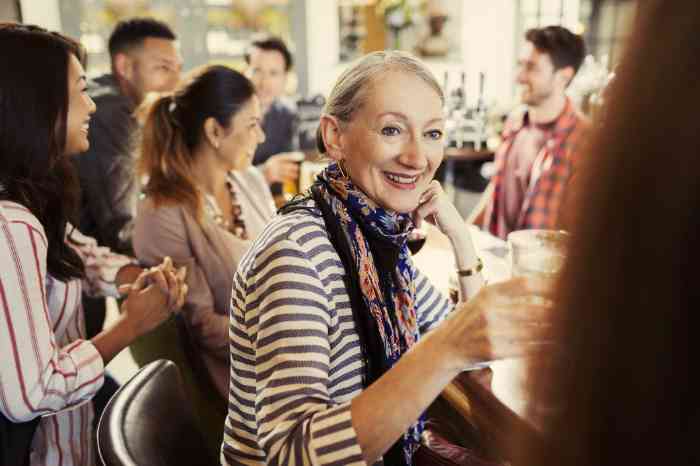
<point x="473" y="271"/>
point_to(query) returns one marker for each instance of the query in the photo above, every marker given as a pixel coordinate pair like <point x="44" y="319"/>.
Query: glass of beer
<point x="533" y="253"/>
<point x="291" y="186"/>
<point x="537" y="252"/>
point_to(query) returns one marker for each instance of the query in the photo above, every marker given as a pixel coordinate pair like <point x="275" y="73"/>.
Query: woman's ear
<point x="212" y="132"/>
<point x="332" y="134"/>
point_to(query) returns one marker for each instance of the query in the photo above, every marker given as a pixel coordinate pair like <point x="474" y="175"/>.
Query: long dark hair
<point x="174" y="127"/>
<point x="34" y="169"/>
<point x="628" y="294"/>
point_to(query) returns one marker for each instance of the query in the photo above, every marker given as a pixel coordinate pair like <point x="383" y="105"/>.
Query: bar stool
<point x="149" y="421"/>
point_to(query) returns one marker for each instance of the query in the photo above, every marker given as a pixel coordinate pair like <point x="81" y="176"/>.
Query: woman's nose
<point x="414" y="154"/>
<point x="92" y="106"/>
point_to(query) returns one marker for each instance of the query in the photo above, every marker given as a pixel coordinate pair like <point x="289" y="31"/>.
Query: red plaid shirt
<point x="549" y="174"/>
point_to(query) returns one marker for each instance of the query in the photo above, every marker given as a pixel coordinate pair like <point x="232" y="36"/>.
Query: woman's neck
<point x="208" y="172"/>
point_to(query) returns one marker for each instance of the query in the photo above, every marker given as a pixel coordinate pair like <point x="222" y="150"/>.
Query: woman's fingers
<point x="427" y="209"/>
<point x="520" y="288"/>
<point x="174" y="289"/>
<point x="158" y="277"/>
<point x="167" y="264"/>
<point x="169" y="280"/>
<point x="136" y="285"/>
<point x="181" y="298"/>
<point x="182" y="288"/>
<point x="509" y="319"/>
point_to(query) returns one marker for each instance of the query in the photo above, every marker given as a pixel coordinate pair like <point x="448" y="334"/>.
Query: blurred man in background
<point x="538" y="154"/>
<point x="144" y="59"/>
<point x="269" y="62"/>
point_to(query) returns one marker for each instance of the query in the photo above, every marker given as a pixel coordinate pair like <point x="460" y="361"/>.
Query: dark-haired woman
<point x="204" y="201"/>
<point x="48" y="368"/>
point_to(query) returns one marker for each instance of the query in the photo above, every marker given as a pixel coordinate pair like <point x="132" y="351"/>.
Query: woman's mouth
<point x="401" y="181"/>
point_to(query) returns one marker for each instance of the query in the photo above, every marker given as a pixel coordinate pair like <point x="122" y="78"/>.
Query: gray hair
<point x="349" y="90"/>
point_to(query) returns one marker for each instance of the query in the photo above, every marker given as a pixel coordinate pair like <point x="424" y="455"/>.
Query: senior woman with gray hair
<point x="337" y="345"/>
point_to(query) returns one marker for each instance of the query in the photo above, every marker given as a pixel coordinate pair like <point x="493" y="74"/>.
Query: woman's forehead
<point x="403" y="93"/>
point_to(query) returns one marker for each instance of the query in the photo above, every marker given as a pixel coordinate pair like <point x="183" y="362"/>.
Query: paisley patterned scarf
<point x="376" y="238"/>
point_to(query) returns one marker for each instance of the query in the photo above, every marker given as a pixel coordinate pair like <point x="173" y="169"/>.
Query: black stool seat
<point x="149" y="422"/>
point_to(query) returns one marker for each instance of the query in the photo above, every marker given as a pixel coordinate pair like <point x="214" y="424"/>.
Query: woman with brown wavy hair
<point x="204" y="201"/>
<point x="622" y="390"/>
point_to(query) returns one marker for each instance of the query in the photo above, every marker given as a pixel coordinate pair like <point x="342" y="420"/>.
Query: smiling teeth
<point x="402" y="179"/>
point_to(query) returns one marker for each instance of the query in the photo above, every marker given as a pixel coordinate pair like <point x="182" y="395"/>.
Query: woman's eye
<point x="435" y="134"/>
<point x="390" y="131"/>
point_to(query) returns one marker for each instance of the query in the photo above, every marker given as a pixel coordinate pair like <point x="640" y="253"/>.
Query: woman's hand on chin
<point x="435" y="207"/>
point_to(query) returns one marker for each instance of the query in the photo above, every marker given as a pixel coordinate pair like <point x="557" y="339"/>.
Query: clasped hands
<point x="157" y="293"/>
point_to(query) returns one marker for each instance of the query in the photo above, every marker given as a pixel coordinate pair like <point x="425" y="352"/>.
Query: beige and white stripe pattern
<point x="295" y="357"/>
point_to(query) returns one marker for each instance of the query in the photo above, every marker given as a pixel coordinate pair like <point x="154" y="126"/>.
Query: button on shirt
<point x="517" y="171"/>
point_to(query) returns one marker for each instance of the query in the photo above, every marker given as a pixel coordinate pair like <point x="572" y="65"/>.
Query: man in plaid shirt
<point x="538" y="155"/>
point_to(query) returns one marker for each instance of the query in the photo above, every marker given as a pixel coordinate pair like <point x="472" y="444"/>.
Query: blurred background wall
<point x="475" y="36"/>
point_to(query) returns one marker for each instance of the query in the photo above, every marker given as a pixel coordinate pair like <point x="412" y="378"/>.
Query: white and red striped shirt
<point x="47" y="367"/>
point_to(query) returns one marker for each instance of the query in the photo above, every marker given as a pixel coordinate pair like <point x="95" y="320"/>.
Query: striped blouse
<point x="295" y="356"/>
<point x="48" y="369"/>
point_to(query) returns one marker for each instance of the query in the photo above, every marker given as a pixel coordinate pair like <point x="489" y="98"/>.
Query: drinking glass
<point x="291" y="187"/>
<point x="533" y="253"/>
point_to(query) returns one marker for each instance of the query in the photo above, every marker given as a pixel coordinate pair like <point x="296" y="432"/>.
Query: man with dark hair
<point x="537" y="157"/>
<point x="144" y="59"/>
<point x="269" y="62"/>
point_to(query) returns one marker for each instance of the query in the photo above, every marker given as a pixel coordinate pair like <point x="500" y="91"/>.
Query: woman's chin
<point x="77" y="151"/>
<point x="243" y="165"/>
<point x="399" y="207"/>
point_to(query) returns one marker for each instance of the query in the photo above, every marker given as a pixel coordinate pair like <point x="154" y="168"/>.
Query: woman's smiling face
<point x="393" y="143"/>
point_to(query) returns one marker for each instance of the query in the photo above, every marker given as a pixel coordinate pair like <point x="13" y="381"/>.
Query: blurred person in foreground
<point x="622" y="390"/>
<point x="539" y="151"/>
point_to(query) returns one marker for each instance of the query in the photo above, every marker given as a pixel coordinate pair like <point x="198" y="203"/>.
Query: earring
<point x="341" y="168"/>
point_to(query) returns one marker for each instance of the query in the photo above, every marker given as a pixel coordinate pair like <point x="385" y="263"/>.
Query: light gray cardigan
<point x="211" y="254"/>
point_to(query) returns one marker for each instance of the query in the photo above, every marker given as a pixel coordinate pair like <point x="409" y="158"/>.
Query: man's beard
<point x="533" y="98"/>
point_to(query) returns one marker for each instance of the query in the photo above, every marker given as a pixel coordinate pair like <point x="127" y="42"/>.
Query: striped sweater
<point x="295" y="356"/>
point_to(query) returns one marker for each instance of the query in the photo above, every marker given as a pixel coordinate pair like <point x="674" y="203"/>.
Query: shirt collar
<point x="563" y="123"/>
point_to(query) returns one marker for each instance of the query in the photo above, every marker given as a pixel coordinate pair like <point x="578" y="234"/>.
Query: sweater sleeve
<point x="284" y="313"/>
